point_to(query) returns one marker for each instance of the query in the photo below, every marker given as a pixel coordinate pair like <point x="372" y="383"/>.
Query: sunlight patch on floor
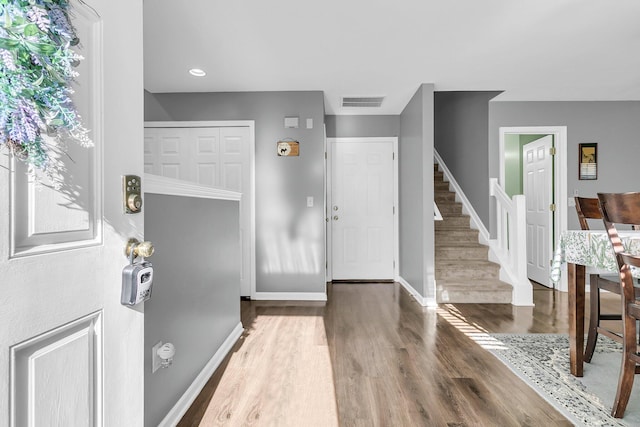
<point x="280" y="375"/>
<point x="474" y="331"/>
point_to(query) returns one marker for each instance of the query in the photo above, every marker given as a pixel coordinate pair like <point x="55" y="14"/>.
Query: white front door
<point x="538" y="190"/>
<point x="70" y="353"/>
<point x="214" y="156"/>
<point x="362" y="210"/>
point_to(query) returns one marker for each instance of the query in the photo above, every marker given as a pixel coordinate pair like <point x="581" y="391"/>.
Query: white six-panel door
<point x="362" y="211"/>
<point x="537" y="170"/>
<point x="70" y="353"/>
<point x="215" y="156"/>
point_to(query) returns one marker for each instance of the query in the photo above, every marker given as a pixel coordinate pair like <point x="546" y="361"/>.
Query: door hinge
<point x="394" y="264"/>
<point x="552" y="151"/>
<point x="552" y="207"/>
<point x="325" y="155"/>
<point x="393" y="156"/>
<point x="394" y="210"/>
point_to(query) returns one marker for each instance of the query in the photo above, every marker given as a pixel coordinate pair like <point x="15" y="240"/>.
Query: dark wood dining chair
<point x="624" y="209"/>
<point x="588" y="208"/>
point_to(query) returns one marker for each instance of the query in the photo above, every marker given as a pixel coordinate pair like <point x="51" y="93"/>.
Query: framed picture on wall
<point x="588" y="161"/>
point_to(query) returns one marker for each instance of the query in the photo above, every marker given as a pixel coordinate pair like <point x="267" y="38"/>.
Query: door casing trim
<point x="252" y="165"/>
<point x="328" y="175"/>
<point x="559" y="179"/>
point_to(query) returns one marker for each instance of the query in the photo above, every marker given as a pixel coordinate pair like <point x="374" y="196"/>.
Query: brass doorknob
<point x="140" y="249"/>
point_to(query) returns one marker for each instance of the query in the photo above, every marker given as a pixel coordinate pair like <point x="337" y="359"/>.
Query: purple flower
<point x="39" y="16"/>
<point x="7" y="60"/>
<point x="60" y="22"/>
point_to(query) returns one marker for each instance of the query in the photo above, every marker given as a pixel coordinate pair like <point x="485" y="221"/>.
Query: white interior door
<point x="362" y="211"/>
<point x="235" y="175"/>
<point x="70" y="353"/>
<point x="538" y="190"/>
<point x="215" y="156"/>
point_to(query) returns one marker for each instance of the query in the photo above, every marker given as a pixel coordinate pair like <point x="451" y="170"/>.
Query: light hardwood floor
<point x="371" y="356"/>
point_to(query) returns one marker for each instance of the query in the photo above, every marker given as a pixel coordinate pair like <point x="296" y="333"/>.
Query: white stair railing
<point x="510" y="245"/>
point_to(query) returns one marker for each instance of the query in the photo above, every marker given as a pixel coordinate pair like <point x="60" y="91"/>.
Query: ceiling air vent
<point x="362" y="101"/>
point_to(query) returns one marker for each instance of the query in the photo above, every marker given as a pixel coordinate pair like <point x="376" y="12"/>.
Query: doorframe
<point x="559" y="178"/>
<point x="328" y="185"/>
<point x="252" y="166"/>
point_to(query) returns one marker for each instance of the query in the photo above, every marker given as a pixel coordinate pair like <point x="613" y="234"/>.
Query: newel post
<point x="523" y="290"/>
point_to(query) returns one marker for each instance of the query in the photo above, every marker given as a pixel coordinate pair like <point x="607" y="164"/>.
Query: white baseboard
<point x="425" y="302"/>
<point x="181" y="407"/>
<point x="289" y="296"/>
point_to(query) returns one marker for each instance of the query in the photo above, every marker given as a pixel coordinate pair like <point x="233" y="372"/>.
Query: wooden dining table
<point x="579" y="249"/>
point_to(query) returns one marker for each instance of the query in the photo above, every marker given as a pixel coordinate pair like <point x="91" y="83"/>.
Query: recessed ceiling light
<point x="197" y="72"/>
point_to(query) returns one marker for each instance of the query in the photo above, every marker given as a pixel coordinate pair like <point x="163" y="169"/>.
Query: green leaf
<point x="31" y="30"/>
<point x="7" y="19"/>
<point x="8" y="44"/>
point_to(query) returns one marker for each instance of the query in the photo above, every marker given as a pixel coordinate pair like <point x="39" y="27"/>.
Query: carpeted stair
<point x="463" y="270"/>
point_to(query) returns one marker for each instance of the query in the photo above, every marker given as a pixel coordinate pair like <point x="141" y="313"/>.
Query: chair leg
<point x="594" y="317"/>
<point x="627" y="369"/>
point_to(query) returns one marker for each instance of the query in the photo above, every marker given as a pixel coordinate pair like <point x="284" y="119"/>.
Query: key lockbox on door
<point x="137" y="281"/>
<point x="137" y="277"/>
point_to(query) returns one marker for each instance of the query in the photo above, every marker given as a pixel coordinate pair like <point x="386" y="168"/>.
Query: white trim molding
<point x="423" y="301"/>
<point x="157" y="184"/>
<point x="189" y="396"/>
<point x="202" y="124"/>
<point x="289" y="296"/>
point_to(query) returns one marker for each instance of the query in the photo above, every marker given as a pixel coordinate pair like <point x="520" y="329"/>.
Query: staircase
<point x="464" y="273"/>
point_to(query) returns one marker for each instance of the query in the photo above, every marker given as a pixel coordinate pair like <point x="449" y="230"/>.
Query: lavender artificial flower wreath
<point x="36" y="68"/>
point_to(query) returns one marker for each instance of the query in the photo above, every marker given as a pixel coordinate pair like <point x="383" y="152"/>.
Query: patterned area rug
<point x="543" y="362"/>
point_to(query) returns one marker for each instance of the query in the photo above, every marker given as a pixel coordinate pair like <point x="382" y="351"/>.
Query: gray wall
<point x="290" y="238"/>
<point x="614" y="125"/>
<point x="461" y="132"/>
<point x="416" y="192"/>
<point x="195" y="303"/>
<point x="362" y="126"/>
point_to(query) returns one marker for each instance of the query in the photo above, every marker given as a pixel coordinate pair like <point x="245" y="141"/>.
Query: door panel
<point x="538" y="164"/>
<point x="57" y="375"/>
<point x="203" y="156"/>
<point x="362" y="211"/>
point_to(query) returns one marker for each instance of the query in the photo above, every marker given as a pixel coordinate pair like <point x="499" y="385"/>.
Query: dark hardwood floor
<point x="371" y="356"/>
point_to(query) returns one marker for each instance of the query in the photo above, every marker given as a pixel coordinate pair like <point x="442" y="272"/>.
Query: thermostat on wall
<point x="291" y="122"/>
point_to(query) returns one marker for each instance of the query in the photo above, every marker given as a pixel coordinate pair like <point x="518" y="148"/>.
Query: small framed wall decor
<point x="288" y="148"/>
<point x="588" y="158"/>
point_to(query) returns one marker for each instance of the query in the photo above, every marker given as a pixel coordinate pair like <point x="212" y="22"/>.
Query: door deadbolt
<point x="335" y="217"/>
<point x="335" y="208"/>
<point x="132" y="191"/>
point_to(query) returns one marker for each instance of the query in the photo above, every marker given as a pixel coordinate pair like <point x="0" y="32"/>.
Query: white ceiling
<point x="531" y="49"/>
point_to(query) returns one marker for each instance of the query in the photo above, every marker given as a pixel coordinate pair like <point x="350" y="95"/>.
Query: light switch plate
<point x="309" y="123"/>
<point x="310" y="201"/>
